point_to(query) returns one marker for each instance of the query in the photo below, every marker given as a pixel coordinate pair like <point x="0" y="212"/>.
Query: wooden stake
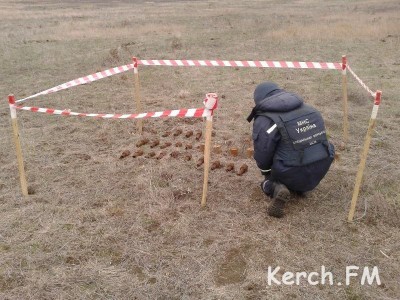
<point x="364" y="155"/>
<point x="210" y="103"/>
<point x="137" y="94"/>
<point x="21" y="169"/>
<point x="207" y="150"/>
<point x="345" y="102"/>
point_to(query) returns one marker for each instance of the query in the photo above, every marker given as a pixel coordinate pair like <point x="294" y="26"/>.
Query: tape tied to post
<point x="211" y="101"/>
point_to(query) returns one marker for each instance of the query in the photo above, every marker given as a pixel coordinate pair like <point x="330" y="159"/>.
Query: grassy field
<point x="99" y="227"/>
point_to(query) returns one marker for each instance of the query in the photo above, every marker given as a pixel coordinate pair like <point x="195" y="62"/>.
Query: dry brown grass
<point x="101" y="227"/>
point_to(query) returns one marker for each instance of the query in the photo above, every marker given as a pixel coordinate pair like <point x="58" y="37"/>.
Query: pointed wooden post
<point x="20" y="159"/>
<point x="137" y="94"/>
<point x="210" y="104"/>
<point x="364" y="155"/>
<point x="345" y="102"/>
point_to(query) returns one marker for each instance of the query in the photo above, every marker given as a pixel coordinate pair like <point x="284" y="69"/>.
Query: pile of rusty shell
<point x="243" y="169"/>
<point x="142" y="142"/>
<point x="165" y="145"/>
<point x="154" y="143"/>
<point x="137" y="153"/>
<point x="230" y="167"/>
<point x="178" y="132"/>
<point x="125" y="153"/>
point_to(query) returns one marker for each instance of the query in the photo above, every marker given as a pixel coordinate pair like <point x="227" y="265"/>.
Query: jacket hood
<point x="264" y="90"/>
<point x="279" y="101"/>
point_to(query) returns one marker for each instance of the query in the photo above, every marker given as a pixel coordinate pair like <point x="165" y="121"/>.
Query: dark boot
<point x="281" y="196"/>
<point x="267" y="187"/>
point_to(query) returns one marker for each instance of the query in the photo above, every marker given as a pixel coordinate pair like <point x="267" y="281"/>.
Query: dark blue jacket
<point x="267" y="140"/>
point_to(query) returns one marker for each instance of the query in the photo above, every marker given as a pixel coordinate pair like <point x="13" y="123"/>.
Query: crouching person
<point x="290" y="145"/>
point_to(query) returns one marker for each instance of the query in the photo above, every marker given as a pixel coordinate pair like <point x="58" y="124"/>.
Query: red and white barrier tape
<point x="187" y="63"/>
<point x="373" y="94"/>
<point x="180" y="113"/>
<point x="82" y="80"/>
<point x="245" y="63"/>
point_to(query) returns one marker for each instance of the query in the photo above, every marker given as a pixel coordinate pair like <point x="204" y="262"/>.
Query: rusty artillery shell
<point x="165" y="145"/>
<point x="188" y="146"/>
<point x="154" y="143"/>
<point x="167" y="133"/>
<point x="230" y="167"/>
<point x="188" y="156"/>
<point x="198" y="135"/>
<point x="137" y="153"/>
<point x="234" y="151"/>
<point x="249" y="152"/>
<point x="178" y="132"/>
<point x="125" y="153"/>
<point x="243" y="169"/>
<point x="200" y="161"/>
<point x="142" y="142"/>
<point x="216" y="165"/>
<point x="161" y="154"/>
<point x="150" y="154"/>
<point x="189" y="134"/>
<point x="217" y="149"/>
<point x="178" y="144"/>
<point x="174" y="154"/>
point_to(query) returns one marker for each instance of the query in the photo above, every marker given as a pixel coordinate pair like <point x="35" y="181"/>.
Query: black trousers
<point x="297" y="179"/>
